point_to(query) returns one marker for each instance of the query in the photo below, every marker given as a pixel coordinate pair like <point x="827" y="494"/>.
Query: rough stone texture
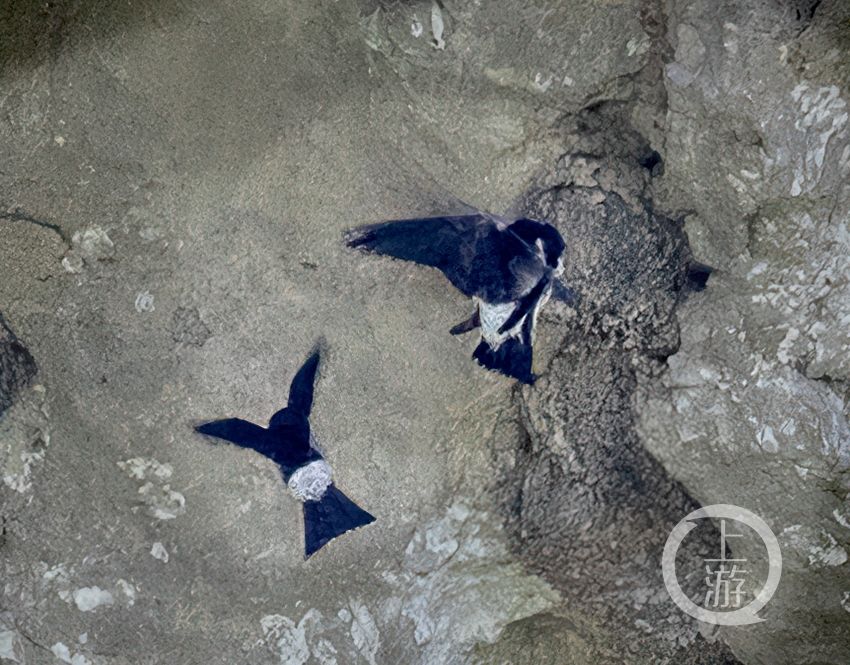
<point x="17" y="366"/>
<point x="174" y="185"/>
<point x="754" y="409"/>
<point x="176" y="179"/>
<point x="586" y="505"/>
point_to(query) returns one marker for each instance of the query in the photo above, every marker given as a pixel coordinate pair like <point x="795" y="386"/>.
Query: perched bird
<point x="509" y="269"/>
<point x="289" y="443"/>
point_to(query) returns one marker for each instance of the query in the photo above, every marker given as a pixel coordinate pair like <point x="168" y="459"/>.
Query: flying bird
<point x="509" y="269"/>
<point x="289" y="443"/>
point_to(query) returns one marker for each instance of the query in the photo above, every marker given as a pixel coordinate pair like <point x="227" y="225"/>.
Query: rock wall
<point x="755" y="402"/>
<point x="175" y="182"/>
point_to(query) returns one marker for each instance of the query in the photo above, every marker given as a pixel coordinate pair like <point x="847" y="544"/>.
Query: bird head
<point x="545" y="237"/>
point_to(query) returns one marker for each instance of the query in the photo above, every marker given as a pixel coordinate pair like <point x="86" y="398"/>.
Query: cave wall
<point x="175" y="181"/>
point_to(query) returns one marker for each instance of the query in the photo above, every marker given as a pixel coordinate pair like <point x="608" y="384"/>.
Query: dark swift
<point x="289" y="443"/>
<point x="509" y="269"/>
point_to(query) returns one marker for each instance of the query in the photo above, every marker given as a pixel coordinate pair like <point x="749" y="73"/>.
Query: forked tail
<point x="329" y="517"/>
<point x="513" y="357"/>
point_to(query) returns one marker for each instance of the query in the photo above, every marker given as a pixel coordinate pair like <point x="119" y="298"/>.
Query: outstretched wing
<point x="301" y="388"/>
<point x="478" y="253"/>
<point x="238" y="431"/>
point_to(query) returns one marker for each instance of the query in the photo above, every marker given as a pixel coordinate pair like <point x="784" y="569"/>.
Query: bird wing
<point x="478" y="253"/>
<point x="525" y="305"/>
<point x="301" y="388"/>
<point x="238" y="431"/>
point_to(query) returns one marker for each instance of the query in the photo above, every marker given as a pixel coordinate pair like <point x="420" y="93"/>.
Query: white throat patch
<point x="311" y="481"/>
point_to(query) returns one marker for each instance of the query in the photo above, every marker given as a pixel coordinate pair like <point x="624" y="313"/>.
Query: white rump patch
<point x="492" y="318"/>
<point x="311" y="481"/>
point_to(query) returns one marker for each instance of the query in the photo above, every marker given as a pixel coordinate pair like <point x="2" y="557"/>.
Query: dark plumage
<point x="289" y="443"/>
<point x="509" y="269"/>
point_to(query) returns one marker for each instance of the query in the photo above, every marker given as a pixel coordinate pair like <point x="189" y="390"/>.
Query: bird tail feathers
<point x="329" y="517"/>
<point x="513" y="357"/>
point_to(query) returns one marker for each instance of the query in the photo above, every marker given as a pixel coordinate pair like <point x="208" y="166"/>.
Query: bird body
<point x="508" y="268"/>
<point x="492" y="318"/>
<point x="289" y="442"/>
